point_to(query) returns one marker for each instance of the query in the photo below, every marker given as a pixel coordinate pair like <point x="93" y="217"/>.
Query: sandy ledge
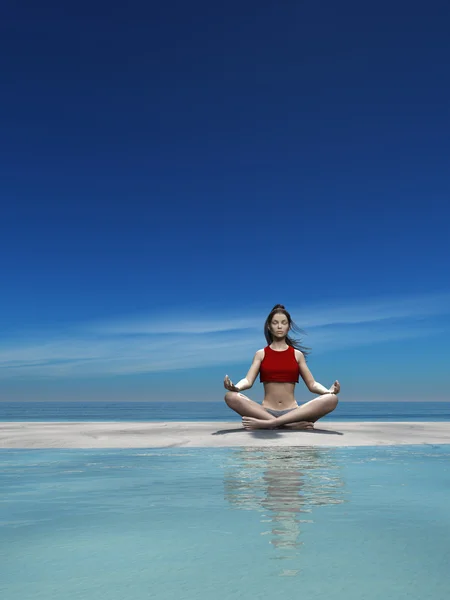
<point x="215" y="434"/>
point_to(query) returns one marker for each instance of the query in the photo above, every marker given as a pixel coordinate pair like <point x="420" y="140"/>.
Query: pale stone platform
<point x="215" y="434"/>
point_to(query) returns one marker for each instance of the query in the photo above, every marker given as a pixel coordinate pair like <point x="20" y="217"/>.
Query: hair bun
<point x="278" y="306"/>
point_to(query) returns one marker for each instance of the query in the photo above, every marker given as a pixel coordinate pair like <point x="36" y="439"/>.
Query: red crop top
<point x="280" y="366"/>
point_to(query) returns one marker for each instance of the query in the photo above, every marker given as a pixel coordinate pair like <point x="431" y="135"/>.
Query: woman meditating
<point x="279" y="364"/>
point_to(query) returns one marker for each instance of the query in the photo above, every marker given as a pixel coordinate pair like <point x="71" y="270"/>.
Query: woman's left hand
<point x="335" y="388"/>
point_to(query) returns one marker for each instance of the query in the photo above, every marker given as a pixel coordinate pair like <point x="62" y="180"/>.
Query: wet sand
<point x="215" y="434"/>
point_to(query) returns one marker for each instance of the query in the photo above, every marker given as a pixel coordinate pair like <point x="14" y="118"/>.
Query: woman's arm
<point x="249" y="379"/>
<point x="313" y="386"/>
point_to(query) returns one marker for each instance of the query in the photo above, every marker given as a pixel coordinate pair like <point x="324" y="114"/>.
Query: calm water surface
<point x="208" y="411"/>
<point x="244" y="524"/>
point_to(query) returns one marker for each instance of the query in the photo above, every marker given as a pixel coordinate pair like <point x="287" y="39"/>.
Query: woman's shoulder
<point x="260" y="353"/>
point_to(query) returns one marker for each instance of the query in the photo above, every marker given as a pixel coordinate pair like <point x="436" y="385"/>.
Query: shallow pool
<point x="247" y="523"/>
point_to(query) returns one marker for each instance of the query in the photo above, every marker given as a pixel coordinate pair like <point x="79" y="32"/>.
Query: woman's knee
<point x="329" y="402"/>
<point x="332" y="401"/>
<point x="231" y="397"/>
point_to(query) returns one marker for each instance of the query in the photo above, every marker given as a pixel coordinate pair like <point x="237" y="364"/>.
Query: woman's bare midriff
<point x="279" y="396"/>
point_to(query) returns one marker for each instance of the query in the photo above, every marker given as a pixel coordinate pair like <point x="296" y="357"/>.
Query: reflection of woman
<point x="286" y="484"/>
<point x="279" y="364"/>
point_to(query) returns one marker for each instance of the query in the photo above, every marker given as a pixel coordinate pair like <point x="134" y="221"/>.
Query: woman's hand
<point x="229" y="385"/>
<point x="335" y="388"/>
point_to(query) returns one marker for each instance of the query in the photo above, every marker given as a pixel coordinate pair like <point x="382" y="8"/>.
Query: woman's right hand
<point x="335" y="388"/>
<point x="228" y="384"/>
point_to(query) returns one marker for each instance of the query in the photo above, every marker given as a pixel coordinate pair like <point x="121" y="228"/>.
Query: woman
<point x="280" y="363"/>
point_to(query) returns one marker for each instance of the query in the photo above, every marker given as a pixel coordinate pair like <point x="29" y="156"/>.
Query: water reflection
<point x="285" y="485"/>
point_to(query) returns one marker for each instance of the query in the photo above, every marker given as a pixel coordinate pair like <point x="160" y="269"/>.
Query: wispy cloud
<point x="171" y="341"/>
<point x="321" y="314"/>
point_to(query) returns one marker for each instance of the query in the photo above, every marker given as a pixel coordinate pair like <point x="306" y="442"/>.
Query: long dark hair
<point x="295" y="343"/>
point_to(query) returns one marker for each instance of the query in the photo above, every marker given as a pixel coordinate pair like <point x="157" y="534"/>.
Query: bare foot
<point x="299" y="425"/>
<point x="252" y="423"/>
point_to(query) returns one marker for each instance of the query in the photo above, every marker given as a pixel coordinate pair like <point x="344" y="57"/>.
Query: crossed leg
<point x="256" y="417"/>
<point x="310" y="412"/>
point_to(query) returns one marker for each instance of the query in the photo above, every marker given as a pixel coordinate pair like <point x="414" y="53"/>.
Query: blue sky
<point x="170" y="172"/>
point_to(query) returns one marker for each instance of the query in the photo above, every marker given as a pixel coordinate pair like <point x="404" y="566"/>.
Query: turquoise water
<point x="247" y="523"/>
<point x="209" y="411"/>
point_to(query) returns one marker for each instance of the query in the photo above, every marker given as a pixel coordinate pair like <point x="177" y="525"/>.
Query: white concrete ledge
<point x="215" y="434"/>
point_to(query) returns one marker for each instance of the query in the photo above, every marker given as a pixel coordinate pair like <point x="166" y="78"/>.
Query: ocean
<point x="208" y="411"/>
<point x="225" y="523"/>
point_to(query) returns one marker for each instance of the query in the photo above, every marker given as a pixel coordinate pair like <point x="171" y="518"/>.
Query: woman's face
<point x="279" y="325"/>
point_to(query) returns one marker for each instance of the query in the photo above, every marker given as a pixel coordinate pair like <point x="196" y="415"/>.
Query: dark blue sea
<point x="208" y="411"/>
